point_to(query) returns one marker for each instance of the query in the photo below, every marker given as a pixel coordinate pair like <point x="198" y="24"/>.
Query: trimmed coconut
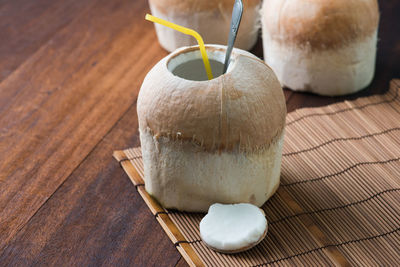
<point x="211" y="141"/>
<point x="323" y="46"/>
<point x="209" y="18"/>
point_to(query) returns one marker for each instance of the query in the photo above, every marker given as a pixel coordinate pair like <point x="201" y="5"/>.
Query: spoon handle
<point x="235" y="23"/>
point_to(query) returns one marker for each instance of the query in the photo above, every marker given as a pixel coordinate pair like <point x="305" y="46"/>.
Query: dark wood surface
<point x="70" y="72"/>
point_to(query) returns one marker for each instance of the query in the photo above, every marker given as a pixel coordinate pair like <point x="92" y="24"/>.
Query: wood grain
<point x="69" y="71"/>
<point x="69" y="95"/>
<point x="27" y="25"/>
<point x="95" y="218"/>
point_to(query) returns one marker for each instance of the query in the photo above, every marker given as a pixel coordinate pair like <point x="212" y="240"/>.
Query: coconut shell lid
<point x="244" y="109"/>
<point x="320" y="24"/>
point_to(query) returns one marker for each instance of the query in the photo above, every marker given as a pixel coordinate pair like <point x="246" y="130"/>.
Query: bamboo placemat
<point x="339" y="198"/>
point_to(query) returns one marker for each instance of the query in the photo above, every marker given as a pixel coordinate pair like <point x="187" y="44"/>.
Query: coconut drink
<point x="211" y="141"/>
<point x="323" y="46"/>
<point x="210" y="19"/>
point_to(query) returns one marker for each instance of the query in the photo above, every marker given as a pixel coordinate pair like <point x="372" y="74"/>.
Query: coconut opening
<point x="189" y="65"/>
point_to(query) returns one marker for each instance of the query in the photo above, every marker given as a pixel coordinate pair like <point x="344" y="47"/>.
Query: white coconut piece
<point x="233" y="228"/>
<point x="211" y="141"/>
<point x="323" y="46"/>
<point x="209" y="18"/>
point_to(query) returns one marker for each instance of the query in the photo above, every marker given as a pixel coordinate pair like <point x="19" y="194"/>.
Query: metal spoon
<point x="235" y="23"/>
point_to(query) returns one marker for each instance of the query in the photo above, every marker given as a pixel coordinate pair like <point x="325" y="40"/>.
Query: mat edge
<point x="186" y="251"/>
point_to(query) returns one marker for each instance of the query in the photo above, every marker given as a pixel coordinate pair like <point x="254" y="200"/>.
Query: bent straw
<point x="188" y="32"/>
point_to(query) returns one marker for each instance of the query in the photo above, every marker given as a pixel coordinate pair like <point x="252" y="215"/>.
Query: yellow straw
<point x="188" y="32"/>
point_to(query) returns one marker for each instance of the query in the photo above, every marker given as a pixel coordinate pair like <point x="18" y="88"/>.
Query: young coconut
<point x="233" y="228"/>
<point x="208" y="141"/>
<point x="211" y="19"/>
<point x="321" y="46"/>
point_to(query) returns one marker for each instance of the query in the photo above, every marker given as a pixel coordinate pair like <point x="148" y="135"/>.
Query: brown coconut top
<point x="198" y="5"/>
<point x="321" y="24"/>
<point x="244" y="109"/>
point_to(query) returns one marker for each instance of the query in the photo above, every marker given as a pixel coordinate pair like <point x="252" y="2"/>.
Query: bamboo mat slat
<point x="339" y="198"/>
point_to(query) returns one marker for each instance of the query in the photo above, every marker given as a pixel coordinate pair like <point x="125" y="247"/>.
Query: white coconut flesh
<point x="233" y="228"/>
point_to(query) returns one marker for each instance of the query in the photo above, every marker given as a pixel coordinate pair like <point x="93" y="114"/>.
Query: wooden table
<point x="70" y="72"/>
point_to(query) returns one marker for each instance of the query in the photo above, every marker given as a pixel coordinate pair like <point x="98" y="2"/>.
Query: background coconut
<point x="322" y="46"/>
<point x="209" y="18"/>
